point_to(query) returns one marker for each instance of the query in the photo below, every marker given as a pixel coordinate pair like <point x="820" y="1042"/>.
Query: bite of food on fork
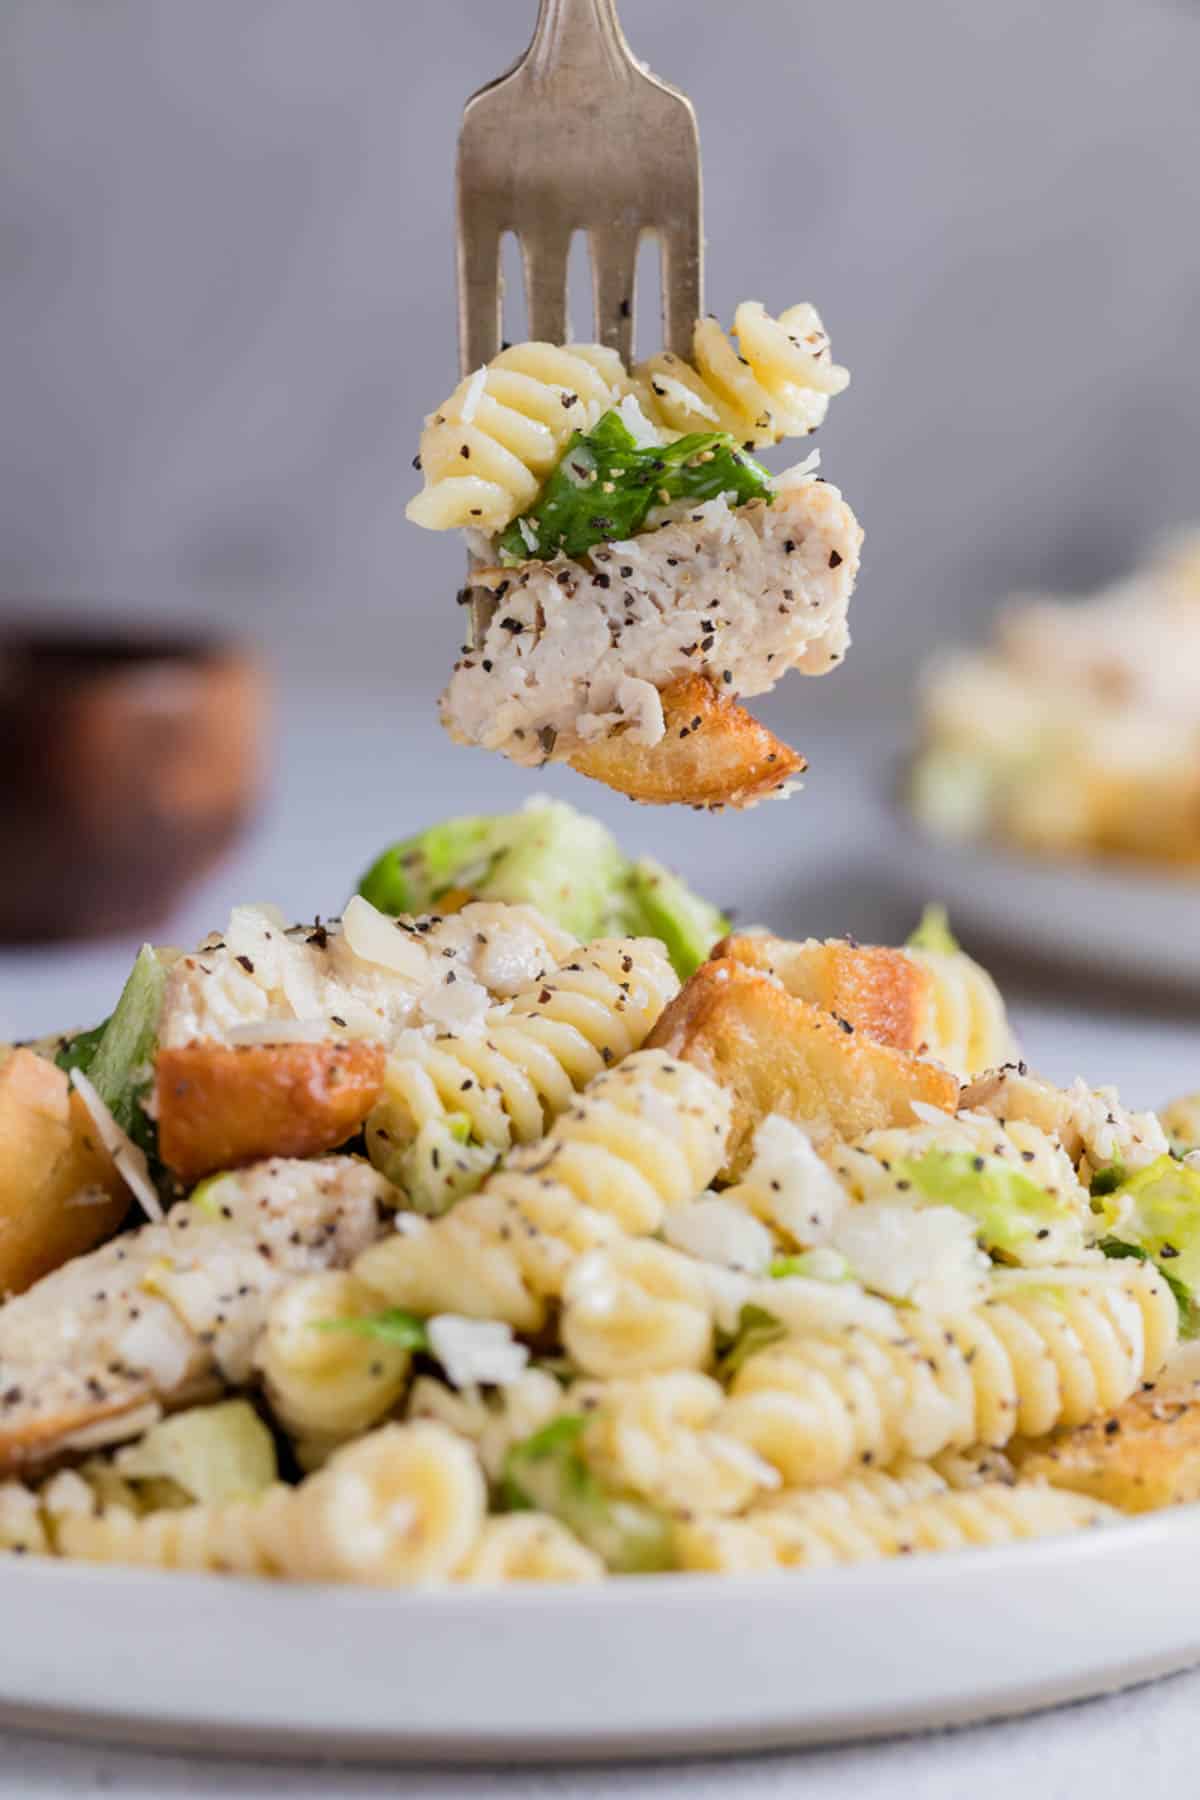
<point x="630" y="542"/>
<point x="635" y="570"/>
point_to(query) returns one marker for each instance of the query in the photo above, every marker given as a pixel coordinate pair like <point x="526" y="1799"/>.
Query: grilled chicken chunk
<point x="166" y="1314"/>
<point x="579" y="650"/>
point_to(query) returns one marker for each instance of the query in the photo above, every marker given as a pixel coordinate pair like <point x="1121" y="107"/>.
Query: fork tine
<point x="682" y="282"/>
<point x="545" y="258"/>
<point x="614" y="286"/>
<point x="479" y="294"/>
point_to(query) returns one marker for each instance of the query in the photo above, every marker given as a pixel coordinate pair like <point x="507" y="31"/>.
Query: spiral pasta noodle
<point x="485" y="454"/>
<point x="879" y="1167"/>
<point x="660" y="1436"/>
<point x="635" y="1307"/>
<point x="966" y="1025"/>
<point x="494" y="1422"/>
<point x="776" y="383"/>
<point x="640" y="1138"/>
<point x="322" y="1382"/>
<point x="403" y="1505"/>
<point x="1031" y="1358"/>
<point x="864" y="1528"/>
<point x="512" y="1079"/>
<point x="529" y="1546"/>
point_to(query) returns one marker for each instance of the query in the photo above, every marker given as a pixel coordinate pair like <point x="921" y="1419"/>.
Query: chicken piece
<point x="780" y="1054"/>
<point x="60" y="1194"/>
<point x="883" y="993"/>
<point x="169" y="1313"/>
<point x="366" y="975"/>
<point x="220" y="1106"/>
<point x="577" y="649"/>
<point x="1144" y="1455"/>
<point x="713" y="754"/>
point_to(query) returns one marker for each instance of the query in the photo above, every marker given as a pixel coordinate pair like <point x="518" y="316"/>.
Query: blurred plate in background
<point x="1113" y="921"/>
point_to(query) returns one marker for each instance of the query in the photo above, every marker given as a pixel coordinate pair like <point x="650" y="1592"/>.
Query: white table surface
<point x="353" y="772"/>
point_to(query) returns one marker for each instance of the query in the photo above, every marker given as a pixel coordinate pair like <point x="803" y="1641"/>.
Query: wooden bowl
<point x="128" y="763"/>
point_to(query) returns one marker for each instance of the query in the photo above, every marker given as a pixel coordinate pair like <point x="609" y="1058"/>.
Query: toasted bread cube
<point x="60" y="1194"/>
<point x="1144" y="1455"/>
<point x="221" y="1105"/>
<point x="777" y="1053"/>
<point x="883" y="993"/>
<point x="713" y="754"/>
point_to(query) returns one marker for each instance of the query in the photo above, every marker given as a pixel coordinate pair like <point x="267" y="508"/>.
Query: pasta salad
<point x="560" y="1233"/>
<point x="1076" y="730"/>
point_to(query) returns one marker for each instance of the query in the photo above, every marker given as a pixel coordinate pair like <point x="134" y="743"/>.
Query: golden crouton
<point x="221" y="1105"/>
<point x="714" y="754"/>
<point x="59" y="1192"/>
<point x="883" y="993"/>
<point x="777" y="1053"/>
<point x="1144" y="1455"/>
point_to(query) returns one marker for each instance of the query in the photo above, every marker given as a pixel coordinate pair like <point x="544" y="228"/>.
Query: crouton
<point x="60" y="1194"/>
<point x="713" y="754"/>
<point x="1144" y="1455"/>
<point x="778" y="1053"/>
<point x="883" y="993"/>
<point x="221" y="1105"/>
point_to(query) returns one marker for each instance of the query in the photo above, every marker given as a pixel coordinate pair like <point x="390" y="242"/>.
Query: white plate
<point x="661" y="1664"/>
<point x="1107" y="918"/>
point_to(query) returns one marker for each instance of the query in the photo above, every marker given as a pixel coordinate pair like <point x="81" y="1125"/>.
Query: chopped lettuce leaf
<point x="78" y="1051"/>
<point x="214" y="1453"/>
<point x="1012" y="1212"/>
<point x="547" y="854"/>
<point x="756" y="1328"/>
<point x="658" y="904"/>
<point x="559" y="860"/>
<point x="605" y="484"/>
<point x="1156" y="1213"/>
<point x="1107" y="1180"/>
<point x="1189" y="1312"/>
<point x="548" y="1472"/>
<point x="118" y="1056"/>
<point x="440" y="1166"/>
<point x="391" y="1326"/>
<point x="933" y="932"/>
<point x="822" y="1264"/>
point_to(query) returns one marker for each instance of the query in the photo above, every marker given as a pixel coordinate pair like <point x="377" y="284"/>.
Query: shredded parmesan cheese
<point x="130" y="1161"/>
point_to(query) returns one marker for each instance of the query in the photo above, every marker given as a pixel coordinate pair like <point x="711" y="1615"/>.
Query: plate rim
<point x="784" y="1613"/>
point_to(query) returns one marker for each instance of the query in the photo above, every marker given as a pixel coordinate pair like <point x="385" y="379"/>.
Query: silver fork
<point x="577" y="136"/>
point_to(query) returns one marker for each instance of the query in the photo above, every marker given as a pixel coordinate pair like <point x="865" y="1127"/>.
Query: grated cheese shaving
<point x="130" y="1161"/>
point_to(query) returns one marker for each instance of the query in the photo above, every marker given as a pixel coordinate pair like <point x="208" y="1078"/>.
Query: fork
<point x="577" y="136"/>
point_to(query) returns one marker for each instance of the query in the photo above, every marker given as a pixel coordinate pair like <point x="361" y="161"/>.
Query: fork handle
<point x="573" y="31"/>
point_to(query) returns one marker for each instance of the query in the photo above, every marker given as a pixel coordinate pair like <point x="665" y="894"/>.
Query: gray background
<point x="226" y="300"/>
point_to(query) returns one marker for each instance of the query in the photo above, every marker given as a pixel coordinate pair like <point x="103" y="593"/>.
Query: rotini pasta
<point x="322" y="1382"/>
<point x="887" y="1165"/>
<point x="486" y="452"/>
<point x="401" y="1506"/>
<point x="1181" y="1122"/>
<point x="637" y="1306"/>
<point x="513" y="1078"/>
<point x="776" y="383"/>
<point x="966" y="1024"/>
<point x="529" y="1546"/>
<point x="863" y="1528"/>
<point x="660" y="1436"/>
<point x="494" y="1422"/>
<point x="1034" y="1356"/>
<point x="640" y="1138"/>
